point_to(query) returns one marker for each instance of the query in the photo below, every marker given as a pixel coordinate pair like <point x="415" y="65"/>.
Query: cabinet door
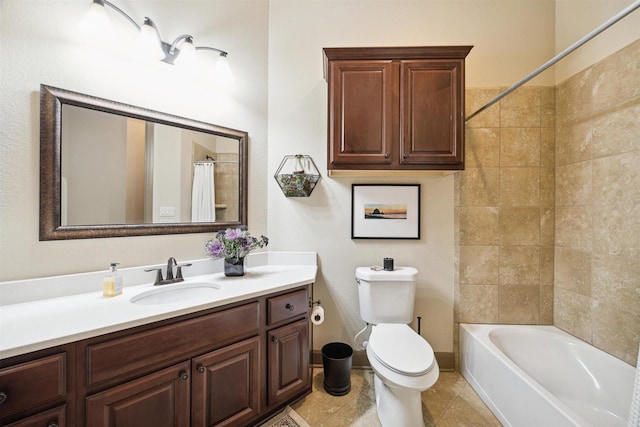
<point x="226" y="385"/>
<point x="288" y="361"/>
<point x="363" y="108"/>
<point x="431" y="115"/>
<point x="157" y="400"/>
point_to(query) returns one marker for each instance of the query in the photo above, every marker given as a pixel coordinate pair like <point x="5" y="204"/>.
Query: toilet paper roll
<point x="317" y="315"/>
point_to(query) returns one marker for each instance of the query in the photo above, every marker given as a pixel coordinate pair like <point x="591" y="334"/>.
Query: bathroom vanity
<point x="232" y="359"/>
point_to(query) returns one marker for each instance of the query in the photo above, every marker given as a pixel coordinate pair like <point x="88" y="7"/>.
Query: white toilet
<point x="403" y="361"/>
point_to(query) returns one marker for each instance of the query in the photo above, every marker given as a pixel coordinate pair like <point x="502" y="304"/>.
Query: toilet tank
<point x="386" y="296"/>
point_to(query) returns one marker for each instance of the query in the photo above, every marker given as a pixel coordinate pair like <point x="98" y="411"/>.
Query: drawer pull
<point x="289" y="307"/>
<point x="53" y="424"/>
<point x="387" y="155"/>
<point x="3" y="397"/>
<point x="274" y="340"/>
<point x="201" y="369"/>
<point x="184" y="376"/>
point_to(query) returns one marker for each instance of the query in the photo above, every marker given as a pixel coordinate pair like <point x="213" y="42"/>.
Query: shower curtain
<point x="203" y="197"/>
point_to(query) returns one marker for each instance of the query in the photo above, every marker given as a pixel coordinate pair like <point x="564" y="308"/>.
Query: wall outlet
<point x="167" y="211"/>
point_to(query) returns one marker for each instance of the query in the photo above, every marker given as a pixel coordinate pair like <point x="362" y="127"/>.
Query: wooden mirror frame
<point x="51" y="101"/>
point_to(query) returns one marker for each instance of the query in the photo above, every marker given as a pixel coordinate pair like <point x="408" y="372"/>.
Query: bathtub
<point x="541" y="376"/>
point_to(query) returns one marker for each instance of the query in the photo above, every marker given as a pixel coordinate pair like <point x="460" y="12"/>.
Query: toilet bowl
<point x="404" y="366"/>
<point x="402" y="361"/>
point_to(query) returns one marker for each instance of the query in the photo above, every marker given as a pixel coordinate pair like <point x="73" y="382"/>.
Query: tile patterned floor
<point x="451" y="402"/>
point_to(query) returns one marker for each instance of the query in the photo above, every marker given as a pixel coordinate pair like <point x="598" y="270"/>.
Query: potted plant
<point x="233" y="244"/>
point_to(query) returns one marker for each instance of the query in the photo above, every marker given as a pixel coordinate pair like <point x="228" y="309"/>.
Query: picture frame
<point x="385" y="211"/>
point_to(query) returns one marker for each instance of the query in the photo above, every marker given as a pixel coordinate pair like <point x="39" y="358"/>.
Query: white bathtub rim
<point x="551" y="399"/>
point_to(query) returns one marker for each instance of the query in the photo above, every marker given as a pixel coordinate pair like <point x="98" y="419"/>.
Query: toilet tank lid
<point x="400" y="274"/>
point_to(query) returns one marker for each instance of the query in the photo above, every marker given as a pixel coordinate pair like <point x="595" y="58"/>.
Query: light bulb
<point x="149" y="41"/>
<point x="96" y="24"/>
<point x="187" y="56"/>
<point x="223" y="73"/>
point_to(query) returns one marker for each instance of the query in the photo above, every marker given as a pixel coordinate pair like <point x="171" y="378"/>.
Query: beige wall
<point x="40" y="43"/>
<point x="577" y="18"/>
<point x="298" y="31"/>
<point x="530" y="255"/>
<point x="597" y="250"/>
<point x="505" y="210"/>
<point x="275" y="48"/>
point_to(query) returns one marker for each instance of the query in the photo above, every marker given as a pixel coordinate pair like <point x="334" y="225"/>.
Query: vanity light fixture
<point x="181" y="51"/>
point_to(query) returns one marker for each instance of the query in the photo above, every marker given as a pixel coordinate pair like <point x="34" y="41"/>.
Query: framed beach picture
<point x="385" y="211"/>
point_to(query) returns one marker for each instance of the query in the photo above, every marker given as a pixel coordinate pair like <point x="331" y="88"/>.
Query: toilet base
<point x="397" y="406"/>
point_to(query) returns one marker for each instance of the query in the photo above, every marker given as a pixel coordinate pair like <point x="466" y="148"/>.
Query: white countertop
<point x="43" y="323"/>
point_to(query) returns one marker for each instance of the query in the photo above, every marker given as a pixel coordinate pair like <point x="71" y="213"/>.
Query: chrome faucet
<point x="171" y="262"/>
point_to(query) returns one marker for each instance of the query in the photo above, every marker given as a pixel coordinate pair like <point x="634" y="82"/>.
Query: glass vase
<point x="234" y="266"/>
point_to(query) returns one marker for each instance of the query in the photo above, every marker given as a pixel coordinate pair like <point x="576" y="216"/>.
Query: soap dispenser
<point x="112" y="283"/>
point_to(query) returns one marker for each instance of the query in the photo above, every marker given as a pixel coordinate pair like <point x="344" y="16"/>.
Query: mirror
<point x="109" y="169"/>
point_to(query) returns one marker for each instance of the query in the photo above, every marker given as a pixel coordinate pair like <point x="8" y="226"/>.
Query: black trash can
<point x="336" y="361"/>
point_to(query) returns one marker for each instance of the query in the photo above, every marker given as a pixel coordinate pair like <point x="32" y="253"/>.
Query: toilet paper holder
<point x="313" y="303"/>
<point x="317" y="312"/>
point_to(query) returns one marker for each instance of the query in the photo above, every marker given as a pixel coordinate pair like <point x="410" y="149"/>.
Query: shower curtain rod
<point x="626" y="11"/>
<point x="209" y="159"/>
<point x="204" y="162"/>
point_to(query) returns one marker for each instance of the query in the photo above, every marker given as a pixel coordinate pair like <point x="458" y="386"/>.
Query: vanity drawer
<point x="53" y="417"/>
<point x="126" y="357"/>
<point x="31" y="384"/>
<point x="287" y="306"/>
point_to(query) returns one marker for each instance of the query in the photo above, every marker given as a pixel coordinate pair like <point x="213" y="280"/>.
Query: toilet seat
<point x="400" y="349"/>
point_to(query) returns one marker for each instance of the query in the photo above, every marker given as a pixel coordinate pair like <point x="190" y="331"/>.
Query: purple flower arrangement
<point x="234" y="244"/>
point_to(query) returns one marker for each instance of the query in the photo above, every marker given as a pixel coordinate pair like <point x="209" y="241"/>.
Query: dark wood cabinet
<point x="398" y="108"/>
<point x="55" y="417"/>
<point x="160" y="399"/>
<point x="216" y="389"/>
<point x="287" y="344"/>
<point x="122" y="356"/>
<point x="36" y="389"/>
<point x="363" y="113"/>
<point x="227" y="366"/>
<point x="215" y="379"/>
<point x="226" y="385"/>
<point x="288" y="361"/>
<point x="30" y="384"/>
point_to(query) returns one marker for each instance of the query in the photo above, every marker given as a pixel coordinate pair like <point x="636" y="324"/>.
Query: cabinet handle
<point x="289" y="307"/>
<point x="201" y="369"/>
<point x="184" y="376"/>
<point x="53" y="424"/>
<point x="274" y="340"/>
<point x="405" y="155"/>
<point x="3" y="397"/>
<point x="387" y="155"/>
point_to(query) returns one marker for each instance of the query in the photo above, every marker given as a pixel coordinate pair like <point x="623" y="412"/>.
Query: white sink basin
<point x="169" y="294"/>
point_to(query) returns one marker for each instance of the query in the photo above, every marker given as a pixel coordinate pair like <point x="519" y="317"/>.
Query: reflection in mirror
<point x="120" y="170"/>
<point x="110" y="169"/>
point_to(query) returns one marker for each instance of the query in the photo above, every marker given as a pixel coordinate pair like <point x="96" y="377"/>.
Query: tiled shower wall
<point x="555" y="171"/>
<point x="597" y="242"/>
<point x="505" y="209"/>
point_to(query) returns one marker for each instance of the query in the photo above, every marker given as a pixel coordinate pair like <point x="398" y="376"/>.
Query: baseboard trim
<point x="446" y="360"/>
